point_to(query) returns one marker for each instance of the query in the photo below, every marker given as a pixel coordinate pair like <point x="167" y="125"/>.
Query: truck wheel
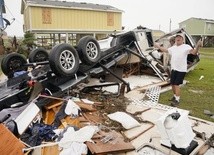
<point x="38" y="55"/>
<point x="64" y="60"/>
<point x="89" y="50"/>
<point x="13" y="62"/>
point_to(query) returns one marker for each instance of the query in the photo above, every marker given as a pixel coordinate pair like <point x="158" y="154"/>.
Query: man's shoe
<point x="172" y="99"/>
<point x="175" y="103"/>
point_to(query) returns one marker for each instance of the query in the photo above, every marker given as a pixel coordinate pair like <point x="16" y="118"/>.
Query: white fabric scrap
<point x="82" y="135"/>
<point x="58" y="131"/>
<point x="126" y="120"/>
<point x="72" y="108"/>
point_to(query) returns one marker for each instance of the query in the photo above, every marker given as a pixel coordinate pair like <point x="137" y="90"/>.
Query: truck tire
<point x="88" y="50"/>
<point x="13" y="62"/>
<point x="64" y="60"/>
<point x="38" y="55"/>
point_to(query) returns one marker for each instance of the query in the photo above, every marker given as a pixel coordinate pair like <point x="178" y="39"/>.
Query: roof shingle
<point x="82" y="5"/>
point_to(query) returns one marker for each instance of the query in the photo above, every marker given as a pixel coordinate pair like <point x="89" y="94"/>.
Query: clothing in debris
<point x="37" y="133"/>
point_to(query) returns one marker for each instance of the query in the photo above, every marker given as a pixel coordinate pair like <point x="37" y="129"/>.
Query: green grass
<point x="197" y="95"/>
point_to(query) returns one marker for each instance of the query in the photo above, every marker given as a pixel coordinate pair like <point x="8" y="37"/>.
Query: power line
<point x="13" y="19"/>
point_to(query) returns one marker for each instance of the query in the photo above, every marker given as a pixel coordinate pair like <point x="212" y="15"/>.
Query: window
<point x="210" y="25"/>
<point x="46" y="16"/>
<point x="110" y="19"/>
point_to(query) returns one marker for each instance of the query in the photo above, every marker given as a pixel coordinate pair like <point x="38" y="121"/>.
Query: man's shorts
<point x="177" y="77"/>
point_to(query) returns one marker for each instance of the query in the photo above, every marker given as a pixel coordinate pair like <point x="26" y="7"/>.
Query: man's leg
<point x="173" y="89"/>
<point x="176" y="98"/>
<point x="172" y="81"/>
<point x="177" y="92"/>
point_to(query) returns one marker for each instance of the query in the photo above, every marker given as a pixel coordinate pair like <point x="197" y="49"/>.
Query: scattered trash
<point x="208" y="112"/>
<point x="201" y="77"/>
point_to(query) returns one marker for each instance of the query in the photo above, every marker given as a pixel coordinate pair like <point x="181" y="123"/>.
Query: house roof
<point x="72" y="5"/>
<point x="207" y="20"/>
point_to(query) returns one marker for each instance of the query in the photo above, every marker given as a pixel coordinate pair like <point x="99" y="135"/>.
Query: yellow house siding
<point x="71" y="19"/>
<point x="27" y="19"/>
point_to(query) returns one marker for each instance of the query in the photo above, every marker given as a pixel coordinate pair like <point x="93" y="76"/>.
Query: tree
<point x="27" y="44"/>
<point x="29" y="39"/>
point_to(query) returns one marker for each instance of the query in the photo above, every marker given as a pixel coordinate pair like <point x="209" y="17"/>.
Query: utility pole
<point x="170" y="22"/>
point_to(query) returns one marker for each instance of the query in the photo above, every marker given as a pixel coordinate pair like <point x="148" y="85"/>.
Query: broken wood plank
<point x="136" y="109"/>
<point x="92" y="117"/>
<point x="70" y="121"/>
<point x="9" y="144"/>
<point x="137" y="131"/>
<point x="82" y="105"/>
<point x="53" y="105"/>
<point x="52" y="150"/>
<point x="49" y="115"/>
<point x="116" y="144"/>
<point x="161" y="84"/>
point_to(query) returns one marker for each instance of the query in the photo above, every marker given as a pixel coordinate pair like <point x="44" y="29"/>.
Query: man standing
<point x="178" y="52"/>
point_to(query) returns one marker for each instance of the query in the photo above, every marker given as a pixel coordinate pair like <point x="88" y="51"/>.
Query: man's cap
<point x="180" y="34"/>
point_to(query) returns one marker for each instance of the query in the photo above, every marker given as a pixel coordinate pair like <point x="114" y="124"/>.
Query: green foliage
<point x="23" y="50"/>
<point x="197" y="95"/>
<point x="29" y="39"/>
<point x="27" y="44"/>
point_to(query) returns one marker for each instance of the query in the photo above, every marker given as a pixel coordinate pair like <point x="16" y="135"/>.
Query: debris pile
<point x="92" y="122"/>
<point x="52" y="110"/>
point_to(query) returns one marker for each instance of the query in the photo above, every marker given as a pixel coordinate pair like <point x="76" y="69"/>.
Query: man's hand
<point x="200" y="43"/>
<point x="157" y="45"/>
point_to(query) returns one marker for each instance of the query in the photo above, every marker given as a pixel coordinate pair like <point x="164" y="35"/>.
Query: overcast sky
<point x="153" y="14"/>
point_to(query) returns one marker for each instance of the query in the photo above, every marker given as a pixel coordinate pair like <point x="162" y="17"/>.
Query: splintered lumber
<point x="91" y="117"/>
<point x="9" y="144"/>
<point x="51" y="111"/>
<point x="110" y="142"/>
<point x="82" y="105"/>
<point x="51" y="150"/>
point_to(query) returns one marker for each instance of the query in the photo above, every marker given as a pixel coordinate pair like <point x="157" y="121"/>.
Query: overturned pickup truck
<point x="66" y="66"/>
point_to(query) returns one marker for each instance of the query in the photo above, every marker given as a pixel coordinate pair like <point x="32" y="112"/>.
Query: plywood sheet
<point x="202" y="127"/>
<point x="136" y="109"/>
<point x="115" y="145"/>
<point x="137" y="131"/>
<point x="52" y="150"/>
<point x="9" y="144"/>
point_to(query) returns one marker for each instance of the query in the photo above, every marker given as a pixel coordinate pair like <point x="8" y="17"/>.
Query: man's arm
<point x="161" y="48"/>
<point x="196" y="49"/>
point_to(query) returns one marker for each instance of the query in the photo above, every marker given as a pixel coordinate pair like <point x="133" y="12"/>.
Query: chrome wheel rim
<point x="67" y="60"/>
<point x="92" y="50"/>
